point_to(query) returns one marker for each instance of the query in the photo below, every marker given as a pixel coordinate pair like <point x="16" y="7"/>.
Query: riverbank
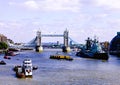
<point x="2" y="51"/>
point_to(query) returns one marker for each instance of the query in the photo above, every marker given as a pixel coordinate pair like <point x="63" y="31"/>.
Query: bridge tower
<point x="66" y="47"/>
<point x="39" y="47"/>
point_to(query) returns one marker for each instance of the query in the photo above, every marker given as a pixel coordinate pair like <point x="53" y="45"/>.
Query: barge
<point x="59" y="57"/>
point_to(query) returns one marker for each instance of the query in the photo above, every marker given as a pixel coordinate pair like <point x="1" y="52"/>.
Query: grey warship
<point x="92" y="49"/>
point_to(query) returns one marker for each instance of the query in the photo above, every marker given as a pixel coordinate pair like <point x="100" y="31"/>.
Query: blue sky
<point x="20" y="19"/>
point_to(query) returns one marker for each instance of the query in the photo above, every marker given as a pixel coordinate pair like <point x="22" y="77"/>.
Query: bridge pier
<point x="66" y="47"/>
<point x="39" y="47"/>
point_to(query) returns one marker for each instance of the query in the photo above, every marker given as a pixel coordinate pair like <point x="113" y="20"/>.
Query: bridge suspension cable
<point x="73" y="41"/>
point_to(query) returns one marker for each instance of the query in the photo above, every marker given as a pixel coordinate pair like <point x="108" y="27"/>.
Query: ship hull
<point x="102" y="56"/>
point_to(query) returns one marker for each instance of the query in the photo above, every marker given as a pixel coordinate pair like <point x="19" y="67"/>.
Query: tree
<point x="3" y="45"/>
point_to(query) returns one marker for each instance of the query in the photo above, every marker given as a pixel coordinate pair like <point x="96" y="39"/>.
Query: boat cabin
<point x="27" y="67"/>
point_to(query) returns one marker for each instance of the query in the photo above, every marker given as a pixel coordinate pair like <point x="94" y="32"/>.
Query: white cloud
<point x="50" y="5"/>
<point x="14" y="24"/>
<point x="72" y="5"/>
<point x="11" y="3"/>
<point x="2" y="24"/>
<point x="31" y="4"/>
<point x="114" y="4"/>
<point x="10" y="25"/>
<point x="36" y="23"/>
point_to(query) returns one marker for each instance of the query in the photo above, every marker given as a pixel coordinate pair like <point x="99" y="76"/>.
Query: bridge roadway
<point x="58" y="35"/>
<point x="51" y="35"/>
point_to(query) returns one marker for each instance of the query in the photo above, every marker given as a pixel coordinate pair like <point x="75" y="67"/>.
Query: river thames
<point x="80" y="71"/>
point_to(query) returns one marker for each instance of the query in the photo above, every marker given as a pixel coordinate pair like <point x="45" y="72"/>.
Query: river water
<point x="80" y="71"/>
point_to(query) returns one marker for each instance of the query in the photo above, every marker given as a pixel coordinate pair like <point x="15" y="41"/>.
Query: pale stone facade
<point x="3" y="38"/>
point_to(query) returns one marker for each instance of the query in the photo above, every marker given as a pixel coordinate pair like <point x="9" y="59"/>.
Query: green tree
<point x="3" y="45"/>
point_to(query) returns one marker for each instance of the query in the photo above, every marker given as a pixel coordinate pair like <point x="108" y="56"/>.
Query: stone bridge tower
<point x="66" y="47"/>
<point x="39" y="47"/>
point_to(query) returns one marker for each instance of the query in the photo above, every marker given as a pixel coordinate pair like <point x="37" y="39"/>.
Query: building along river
<point x="80" y="71"/>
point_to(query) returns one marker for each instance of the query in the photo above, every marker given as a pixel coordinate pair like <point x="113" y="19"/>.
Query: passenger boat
<point x="27" y="67"/>
<point x="92" y="49"/>
<point x="16" y="67"/>
<point x="60" y="57"/>
<point x="25" y="70"/>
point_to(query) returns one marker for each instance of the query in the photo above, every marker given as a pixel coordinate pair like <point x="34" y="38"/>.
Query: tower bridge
<point x="37" y="41"/>
<point x="39" y="36"/>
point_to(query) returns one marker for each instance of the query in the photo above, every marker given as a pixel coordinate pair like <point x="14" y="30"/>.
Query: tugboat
<point x="92" y="49"/>
<point x="25" y="70"/>
<point x="19" y="72"/>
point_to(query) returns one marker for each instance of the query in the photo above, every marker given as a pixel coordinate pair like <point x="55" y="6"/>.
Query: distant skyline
<point x="20" y="19"/>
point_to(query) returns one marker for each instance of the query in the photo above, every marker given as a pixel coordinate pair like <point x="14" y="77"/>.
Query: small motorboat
<point x="9" y="53"/>
<point x="35" y="67"/>
<point x="2" y="62"/>
<point x="7" y="57"/>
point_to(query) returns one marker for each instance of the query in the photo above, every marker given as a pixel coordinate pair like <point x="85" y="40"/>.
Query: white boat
<point x="27" y="67"/>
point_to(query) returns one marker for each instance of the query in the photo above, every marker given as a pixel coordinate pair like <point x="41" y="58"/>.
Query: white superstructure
<point x="27" y="67"/>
